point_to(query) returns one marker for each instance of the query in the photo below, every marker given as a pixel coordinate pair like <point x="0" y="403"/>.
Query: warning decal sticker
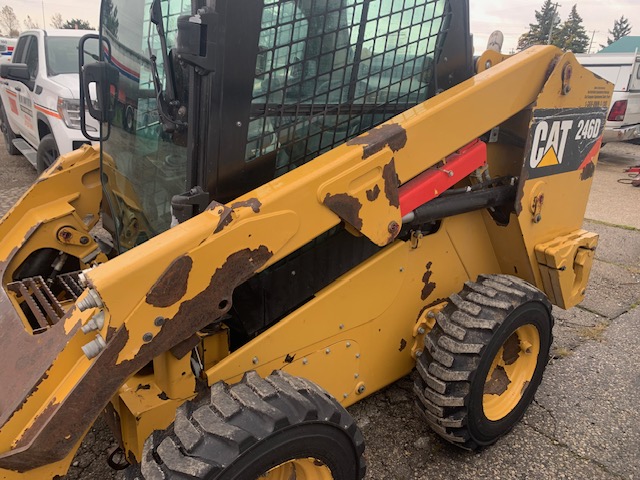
<point x="561" y="139"/>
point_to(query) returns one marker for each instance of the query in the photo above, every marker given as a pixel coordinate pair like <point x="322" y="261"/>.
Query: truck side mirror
<point x="15" y="71"/>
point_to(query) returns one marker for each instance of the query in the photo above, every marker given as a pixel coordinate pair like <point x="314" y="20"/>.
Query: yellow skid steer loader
<point x="294" y="204"/>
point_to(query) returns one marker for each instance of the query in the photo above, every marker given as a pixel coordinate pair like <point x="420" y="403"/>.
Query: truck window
<point x="62" y="54"/>
<point x="31" y="58"/>
<point x="635" y="79"/>
<point x="20" y="49"/>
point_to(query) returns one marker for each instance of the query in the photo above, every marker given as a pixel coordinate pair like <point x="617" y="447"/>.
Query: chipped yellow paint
<point x="206" y="256"/>
<point x="80" y="319"/>
<point x="518" y="373"/>
<point x="355" y="182"/>
<point x="147" y="402"/>
<point x="374" y="307"/>
<point x="377" y="303"/>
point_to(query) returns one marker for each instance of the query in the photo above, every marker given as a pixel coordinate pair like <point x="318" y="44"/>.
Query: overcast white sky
<point x="510" y="16"/>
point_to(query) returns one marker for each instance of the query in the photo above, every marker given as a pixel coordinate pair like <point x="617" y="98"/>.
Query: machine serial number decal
<point x="560" y="139"/>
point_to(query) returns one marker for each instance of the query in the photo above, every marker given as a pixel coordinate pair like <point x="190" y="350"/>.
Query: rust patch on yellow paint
<point x="392" y="135"/>
<point x="391" y="183"/>
<point x="224" y="212"/>
<point x="346" y="207"/>
<point x="184" y="347"/>
<point x="588" y="171"/>
<point x="498" y="383"/>
<point x="215" y="300"/>
<point x="253" y="203"/>
<point x="520" y="193"/>
<point x="429" y="286"/>
<point x="69" y="322"/>
<point x="511" y="349"/>
<point x="403" y="344"/>
<point x="37" y="423"/>
<point x="172" y="284"/>
<point x="61" y="425"/>
<point x="373" y="193"/>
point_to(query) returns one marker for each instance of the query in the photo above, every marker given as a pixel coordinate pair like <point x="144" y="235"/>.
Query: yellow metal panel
<point x="378" y="303"/>
<point x="374" y="308"/>
<point x="565" y="263"/>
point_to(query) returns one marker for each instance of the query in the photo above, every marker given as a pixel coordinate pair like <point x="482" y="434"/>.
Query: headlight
<point x="69" y="110"/>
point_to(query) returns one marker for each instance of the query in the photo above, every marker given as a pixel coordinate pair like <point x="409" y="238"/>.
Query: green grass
<point x="609" y="224"/>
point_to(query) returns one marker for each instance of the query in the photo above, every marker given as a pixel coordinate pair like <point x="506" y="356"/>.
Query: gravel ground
<point x="584" y="422"/>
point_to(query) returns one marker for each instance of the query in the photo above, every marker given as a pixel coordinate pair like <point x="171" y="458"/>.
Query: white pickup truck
<point x="623" y="70"/>
<point x="39" y="89"/>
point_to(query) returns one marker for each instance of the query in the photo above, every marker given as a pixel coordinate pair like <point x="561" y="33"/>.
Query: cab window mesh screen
<point x="328" y="70"/>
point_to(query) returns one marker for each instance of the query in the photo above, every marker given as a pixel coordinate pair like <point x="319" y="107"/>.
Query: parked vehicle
<point x="6" y="49"/>
<point x="623" y="70"/>
<point x="40" y="110"/>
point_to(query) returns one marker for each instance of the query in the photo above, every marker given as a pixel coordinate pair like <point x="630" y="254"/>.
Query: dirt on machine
<point x="293" y="204"/>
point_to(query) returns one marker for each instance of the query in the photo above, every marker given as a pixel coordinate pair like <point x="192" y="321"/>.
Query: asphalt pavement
<point x="585" y="420"/>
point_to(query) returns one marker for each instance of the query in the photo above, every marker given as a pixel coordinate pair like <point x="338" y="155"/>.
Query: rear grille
<point x="37" y="297"/>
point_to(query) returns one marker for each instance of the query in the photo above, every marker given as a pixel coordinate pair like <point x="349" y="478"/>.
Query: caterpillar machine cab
<point x="294" y="204"/>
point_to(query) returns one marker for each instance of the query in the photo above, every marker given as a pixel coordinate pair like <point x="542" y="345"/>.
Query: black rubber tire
<point x="128" y="118"/>
<point x="244" y="430"/>
<point x="459" y="351"/>
<point x="8" y="134"/>
<point x="48" y="152"/>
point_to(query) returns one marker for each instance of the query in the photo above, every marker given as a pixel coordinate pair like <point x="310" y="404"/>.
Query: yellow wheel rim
<point x="511" y="371"/>
<point x="299" y="469"/>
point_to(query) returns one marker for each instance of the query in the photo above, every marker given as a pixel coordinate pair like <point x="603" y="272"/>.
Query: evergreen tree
<point x="77" y="24"/>
<point x="110" y="15"/>
<point x="573" y="37"/>
<point x="538" y="34"/>
<point x="620" y="29"/>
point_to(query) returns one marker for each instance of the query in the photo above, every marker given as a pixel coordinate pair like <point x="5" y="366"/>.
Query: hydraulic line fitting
<point x="95" y="323"/>
<point x="92" y="300"/>
<point x="94" y="347"/>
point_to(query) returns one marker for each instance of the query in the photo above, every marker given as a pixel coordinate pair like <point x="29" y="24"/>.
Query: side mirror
<point x="15" y="71"/>
<point x="104" y="77"/>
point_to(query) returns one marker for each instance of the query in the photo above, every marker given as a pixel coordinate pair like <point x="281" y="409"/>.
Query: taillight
<point x="617" y="111"/>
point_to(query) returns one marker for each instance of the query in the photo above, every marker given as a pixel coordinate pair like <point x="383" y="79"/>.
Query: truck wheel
<point x="8" y="134"/>
<point x="280" y="427"/>
<point x="484" y="359"/>
<point x="128" y="120"/>
<point x="47" y="153"/>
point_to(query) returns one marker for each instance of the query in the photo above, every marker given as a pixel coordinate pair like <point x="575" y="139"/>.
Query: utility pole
<point x="591" y="43"/>
<point x="44" y="23"/>
<point x="553" y="21"/>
